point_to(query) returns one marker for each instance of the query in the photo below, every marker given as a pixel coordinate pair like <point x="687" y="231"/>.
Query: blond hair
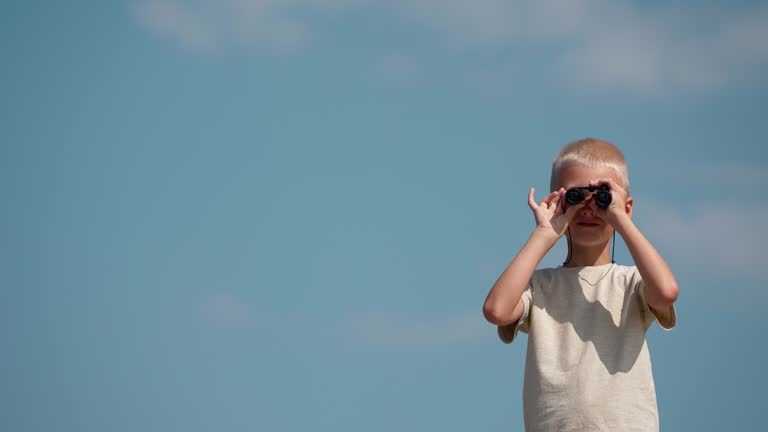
<point x="593" y="153"/>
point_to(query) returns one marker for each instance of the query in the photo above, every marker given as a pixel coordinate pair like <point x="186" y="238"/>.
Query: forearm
<point x="505" y="293"/>
<point x="661" y="288"/>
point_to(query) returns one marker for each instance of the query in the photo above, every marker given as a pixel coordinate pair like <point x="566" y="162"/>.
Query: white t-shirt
<point x="587" y="367"/>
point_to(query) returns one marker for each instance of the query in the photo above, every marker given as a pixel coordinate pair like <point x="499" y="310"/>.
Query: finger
<point x="550" y="198"/>
<point x="561" y="200"/>
<point x="545" y="202"/>
<point x="531" y="201"/>
<point x="559" y="203"/>
<point x="617" y="191"/>
<point x="572" y="210"/>
<point x="553" y="203"/>
<point x="605" y="181"/>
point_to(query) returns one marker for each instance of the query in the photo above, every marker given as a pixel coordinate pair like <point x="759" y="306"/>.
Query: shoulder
<point x="550" y="278"/>
<point x="627" y="276"/>
<point x="544" y="276"/>
<point x="627" y="270"/>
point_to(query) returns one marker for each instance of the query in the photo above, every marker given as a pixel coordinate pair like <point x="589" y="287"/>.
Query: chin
<point x="590" y="240"/>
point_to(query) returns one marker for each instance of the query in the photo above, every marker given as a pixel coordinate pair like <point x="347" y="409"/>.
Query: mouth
<point x="588" y="224"/>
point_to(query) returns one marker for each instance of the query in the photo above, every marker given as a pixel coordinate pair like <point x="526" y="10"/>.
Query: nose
<point x="587" y="209"/>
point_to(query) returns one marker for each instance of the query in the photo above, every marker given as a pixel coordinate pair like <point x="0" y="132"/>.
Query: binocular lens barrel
<point x="602" y="196"/>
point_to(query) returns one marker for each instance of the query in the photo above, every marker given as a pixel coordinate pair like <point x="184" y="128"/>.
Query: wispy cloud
<point x="713" y="239"/>
<point x="179" y="22"/>
<point x="647" y="53"/>
<point x="393" y="330"/>
<point x="222" y="309"/>
<point x="600" y="43"/>
<point x="614" y="45"/>
<point x="733" y="176"/>
<point x="208" y="24"/>
<point x="397" y="67"/>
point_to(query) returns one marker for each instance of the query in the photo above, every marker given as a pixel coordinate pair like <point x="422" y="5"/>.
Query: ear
<point x="628" y="206"/>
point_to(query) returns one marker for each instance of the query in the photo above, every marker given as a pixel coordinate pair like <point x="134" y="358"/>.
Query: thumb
<point x="571" y="212"/>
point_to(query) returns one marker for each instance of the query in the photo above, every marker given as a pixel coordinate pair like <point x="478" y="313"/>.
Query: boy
<point x="587" y="365"/>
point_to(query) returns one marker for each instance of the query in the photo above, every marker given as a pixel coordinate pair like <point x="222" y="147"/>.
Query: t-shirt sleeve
<point x="508" y="332"/>
<point x="667" y="318"/>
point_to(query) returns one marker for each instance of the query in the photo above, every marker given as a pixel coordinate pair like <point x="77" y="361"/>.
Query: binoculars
<point x="575" y="195"/>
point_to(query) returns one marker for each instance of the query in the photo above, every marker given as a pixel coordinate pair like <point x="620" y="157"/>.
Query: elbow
<point x="662" y="297"/>
<point x="496" y="315"/>
<point x="665" y="298"/>
<point x="670" y="295"/>
<point x="492" y="314"/>
<point x="489" y="313"/>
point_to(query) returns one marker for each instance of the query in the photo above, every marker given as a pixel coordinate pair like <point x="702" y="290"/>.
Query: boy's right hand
<point x="549" y="214"/>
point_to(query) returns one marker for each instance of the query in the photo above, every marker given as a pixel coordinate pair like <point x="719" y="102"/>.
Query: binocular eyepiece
<point x="575" y="195"/>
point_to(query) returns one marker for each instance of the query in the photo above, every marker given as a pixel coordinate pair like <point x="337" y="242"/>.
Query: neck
<point x="589" y="255"/>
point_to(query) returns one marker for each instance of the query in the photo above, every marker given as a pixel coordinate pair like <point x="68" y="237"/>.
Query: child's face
<point x="587" y="227"/>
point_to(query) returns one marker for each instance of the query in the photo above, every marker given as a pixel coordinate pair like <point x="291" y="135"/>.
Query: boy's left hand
<point x="618" y="208"/>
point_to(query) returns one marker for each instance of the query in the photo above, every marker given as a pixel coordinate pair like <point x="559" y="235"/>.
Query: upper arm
<point x="521" y="318"/>
<point x="517" y="312"/>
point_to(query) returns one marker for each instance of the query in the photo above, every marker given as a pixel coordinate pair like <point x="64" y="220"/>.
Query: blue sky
<point x="281" y="215"/>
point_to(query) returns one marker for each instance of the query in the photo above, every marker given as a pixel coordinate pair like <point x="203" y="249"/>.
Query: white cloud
<point x="390" y="330"/>
<point x="598" y="43"/>
<point x="710" y="238"/>
<point x="649" y="54"/>
<point x="610" y="44"/>
<point x="397" y="67"/>
<point x="224" y="310"/>
<point x="733" y="176"/>
<point x="171" y="18"/>
<point x="208" y="24"/>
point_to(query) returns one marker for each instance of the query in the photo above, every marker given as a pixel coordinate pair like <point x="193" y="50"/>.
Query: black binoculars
<point x="575" y="195"/>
